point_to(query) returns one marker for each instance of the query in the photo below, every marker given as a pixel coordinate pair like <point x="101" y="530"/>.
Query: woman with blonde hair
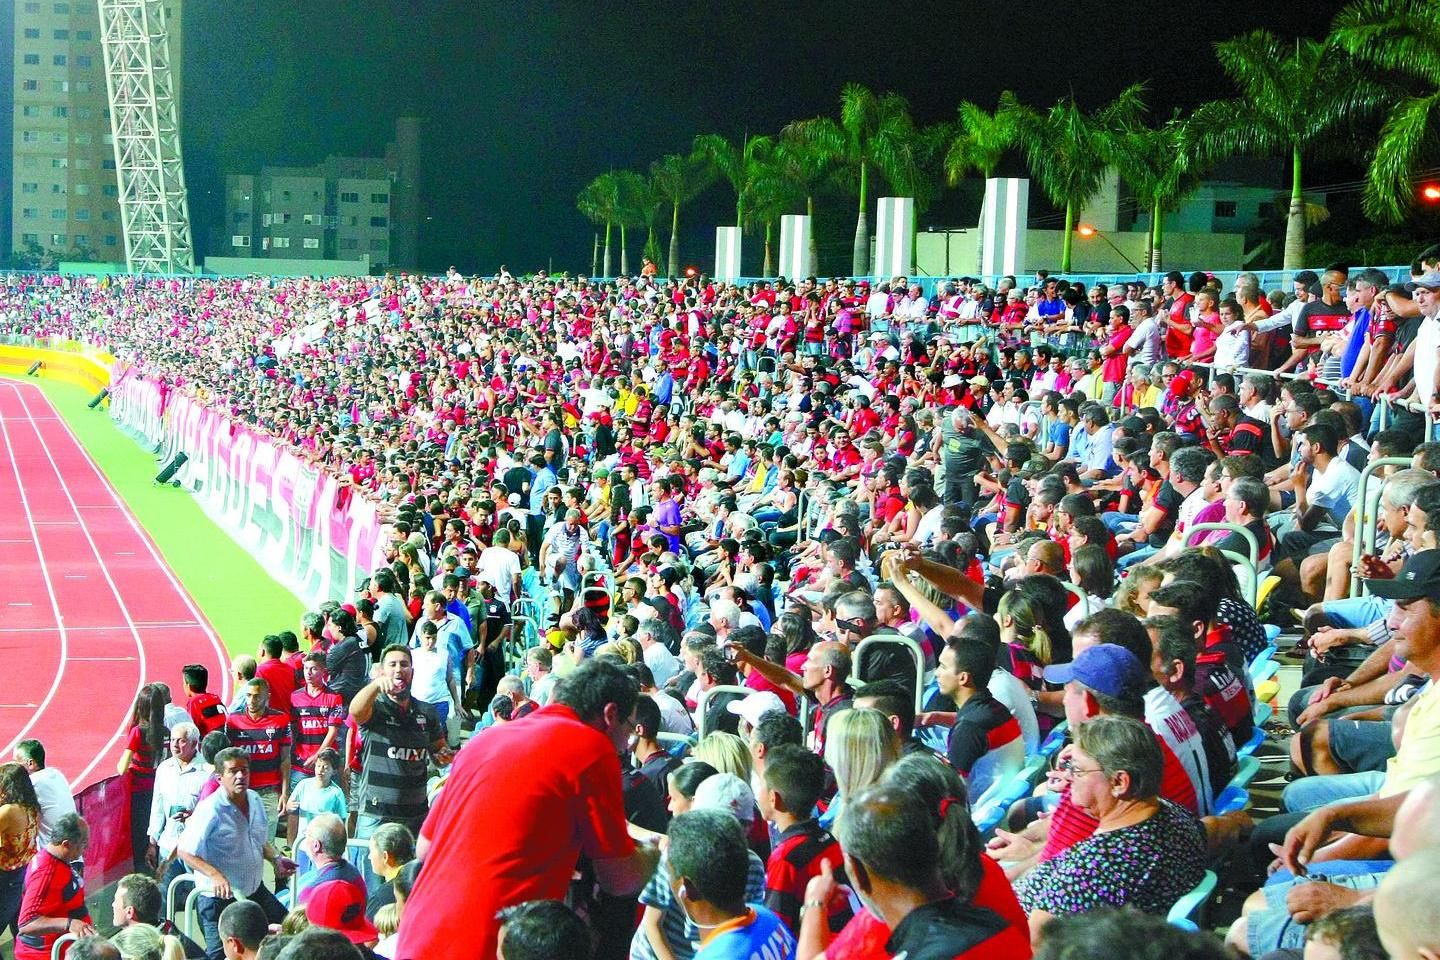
<point x="859" y="744"/>
<point x="726" y="752"/>
<point x="140" y="941"/>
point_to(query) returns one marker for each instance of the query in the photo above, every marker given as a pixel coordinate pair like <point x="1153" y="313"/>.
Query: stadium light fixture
<point x="1088" y="230"/>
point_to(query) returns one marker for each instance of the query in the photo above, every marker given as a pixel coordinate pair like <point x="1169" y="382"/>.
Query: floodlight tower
<point x="144" y="121"/>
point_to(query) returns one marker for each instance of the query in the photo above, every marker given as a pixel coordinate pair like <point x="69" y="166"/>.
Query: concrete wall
<point x="292" y="267"/>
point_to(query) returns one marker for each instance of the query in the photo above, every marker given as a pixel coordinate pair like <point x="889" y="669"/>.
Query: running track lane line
<point x="197" y="618"/>
<point x="49" y="589"/>
<point x="67" y="721"/>
<point x="62" y="444"/>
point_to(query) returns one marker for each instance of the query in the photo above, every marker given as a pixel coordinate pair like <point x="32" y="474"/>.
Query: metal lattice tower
<point x="144" y="120"/>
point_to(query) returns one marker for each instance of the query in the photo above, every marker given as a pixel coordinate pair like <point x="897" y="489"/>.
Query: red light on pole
<point x="1085" y="230"/>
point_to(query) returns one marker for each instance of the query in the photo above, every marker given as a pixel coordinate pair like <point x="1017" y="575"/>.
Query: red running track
<point x="89" y="610"/>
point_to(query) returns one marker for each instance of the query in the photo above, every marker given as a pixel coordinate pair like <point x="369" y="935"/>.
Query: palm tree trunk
<point x="1295" y="223"/>
<point x="674" y="266"/>
<point x="1069" y="236"/>
<point x="860" y="253"/>
<point x="607" y="249"/>
<point x="1157" y="236"/>
<point x="814" y="246"/>
<point x="624" y="258"/>
<point x="595" y="256"/>
<point x="766" y="271"/>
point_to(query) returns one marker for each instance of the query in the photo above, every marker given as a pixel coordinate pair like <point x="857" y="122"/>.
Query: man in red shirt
<point x="264" y="734"/>
<point x="316" y="717"/>
<point x="1179" y="331"/>
<point x="207" y="711"/>
<point x="54" y="901"/>
<point x="273" y="669"/>
<point x="550" y="789"/>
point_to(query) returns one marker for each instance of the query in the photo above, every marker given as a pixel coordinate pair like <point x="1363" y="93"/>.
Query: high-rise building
<point x="346" y="208"/>
<point x="64" y="195"/>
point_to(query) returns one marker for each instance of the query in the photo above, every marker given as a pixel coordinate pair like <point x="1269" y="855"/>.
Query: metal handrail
<point x="1365" y="539"/>
<point x="57" y="949"/>
<point x="1252" y="561"/>
<point x="917" y="653"/>
<point x="704" y="700"/>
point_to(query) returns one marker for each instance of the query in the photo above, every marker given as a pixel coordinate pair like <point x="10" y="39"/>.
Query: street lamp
<point x="1430" y="193"/>
<point x="1086" y="230"/>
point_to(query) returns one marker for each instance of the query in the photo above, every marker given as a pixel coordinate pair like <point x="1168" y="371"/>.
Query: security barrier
<point x="79" y="366"/>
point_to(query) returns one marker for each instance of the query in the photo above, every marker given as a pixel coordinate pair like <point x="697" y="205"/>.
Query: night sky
<point x="525" y="103"/>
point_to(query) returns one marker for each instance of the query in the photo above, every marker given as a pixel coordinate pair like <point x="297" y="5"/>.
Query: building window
<point x="62" y="85"/>
<point x="58" y="240"/>
<point x="310" y="219"/>
<point x="29" y="238"/>
<point x="349" y="243"/>
<point x="32" y="8"/>
<point x="266" y="219"/>
<point x="1265" y="210"/>
<point x="84" y="139"/>
<point x="32" y="33"/>
<point x="29" y="136"/>
<point x="1224" y="209"/>
<point x="85" y="113"/>
<point x="59" y="60"/>
<point x="62" y="34"/>
<point x="110" y="240"/>
<point x="84" y="62"/>
<point x="284" y="194"/>
<point x="58" y="137"/>
<point x="59" y="163"/>
<point x="82" y="189"/>
<point x="281" y="243"/>
<point x="82" y="241"/>
<point x="108" y="215"/>
<point x="312" y="243"/>
<point x="29" y="213"/>
<point x="62" y="8"/>
<point x="32" y="59"/>
<point x="57" y="188"/>
<point x="58" y="214"/>
<point x="82" y="213"/>
<point x="107" y="164"/>
<point x="61" y="112"/>
<point x="379" y="198"/>
<point x="350" y="197"/>
<point x="379" y="221"/>
<point x="29" y="187"/>
<point x="30" y="110"/>
<point x="284" y="217"/>
<point x="84" y="35"/>
<point x="239" y="241"/>
<point x="83" y="86"/>
<point x="29" y="84"/>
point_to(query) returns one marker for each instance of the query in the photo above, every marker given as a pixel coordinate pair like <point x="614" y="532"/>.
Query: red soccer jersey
<point x="207" y="711"/>
<point x="52" y="889"/>
<point x="526" y="845"/>
<point x="265" y="741"/>
<point x="281" y="677"/>
<point x="311" y="718"/>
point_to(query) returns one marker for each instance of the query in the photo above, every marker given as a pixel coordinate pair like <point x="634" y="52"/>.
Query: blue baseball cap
<point x="1106" y="668"/>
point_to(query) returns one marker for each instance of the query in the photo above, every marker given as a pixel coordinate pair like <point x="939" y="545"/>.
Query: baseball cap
<point x="1182" y="382"/>
<point x="338" y="905"/>
<point x="727" y="792"/>
<point x="755" y="706"/>
<point x="1106" y="668"/>
<point x="1420" y="577"/>
<point x="601" y="472"/>
<point x="982" y="382"/>
<point x="954" y="380"/>
<point x="1430" y="281"/>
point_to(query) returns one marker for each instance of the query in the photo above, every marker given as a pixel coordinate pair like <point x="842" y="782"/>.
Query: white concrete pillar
<point x="894" y="236"/>
<point x="795" y="246"/>
<point x="727" y="253"/>
<point x="1003" y="226"/>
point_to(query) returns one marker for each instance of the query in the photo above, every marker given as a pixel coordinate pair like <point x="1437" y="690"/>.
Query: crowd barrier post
<point x="1252" y="562"/>
<point x="57" y="950"/>
<point x="1365" y="539"/>
<point x="917" y="654"/>
<point x="704" y="701"/>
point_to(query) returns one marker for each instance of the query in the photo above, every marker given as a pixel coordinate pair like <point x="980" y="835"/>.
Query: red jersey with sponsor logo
<point x="265" y="741"/>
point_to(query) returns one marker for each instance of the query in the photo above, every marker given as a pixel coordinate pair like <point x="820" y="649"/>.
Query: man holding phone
<point x="178" y="780"/>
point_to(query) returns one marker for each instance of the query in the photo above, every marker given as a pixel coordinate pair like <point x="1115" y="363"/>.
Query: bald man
<point x="1407" y="930"/>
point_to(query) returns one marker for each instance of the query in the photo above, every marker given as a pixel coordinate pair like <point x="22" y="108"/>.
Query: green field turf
<point x="238" y="596"/>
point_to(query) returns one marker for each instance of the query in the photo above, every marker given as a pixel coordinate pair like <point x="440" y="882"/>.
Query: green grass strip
<point x="237" y="594"/>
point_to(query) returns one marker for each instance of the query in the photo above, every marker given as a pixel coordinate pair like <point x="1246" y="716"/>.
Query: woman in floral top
<point x="1146" y="853"/>
<point x="19" y="826"/>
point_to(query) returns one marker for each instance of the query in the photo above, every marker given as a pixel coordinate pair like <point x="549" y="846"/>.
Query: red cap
<point x="338" y="905"/>
<point x="1180" y="386"/>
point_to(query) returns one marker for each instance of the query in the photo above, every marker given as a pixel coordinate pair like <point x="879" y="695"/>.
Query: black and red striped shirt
<point x="265" y="741"/>
<point x="983" y="724"/>
<point x="311" y="718"/>
<point x="795" y="859"/>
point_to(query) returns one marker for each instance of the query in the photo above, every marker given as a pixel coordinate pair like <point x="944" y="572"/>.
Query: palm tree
<point x="737" y="164"/>
<point x="637" y="207"/>
<point x="600" y="201"/>
<point x="925" y="178"/>
<point x="1160" y="165"/>
<point x="1403" y="37"/>
<point x="1065" y="148"/>
<point x="678" y="179"/>
<point x="771" y="195"/>
<point x="874" y="134"/>
<point x="978" y="142"/>
<point x="809" y="169"/>
<point x="1295" y="97"/>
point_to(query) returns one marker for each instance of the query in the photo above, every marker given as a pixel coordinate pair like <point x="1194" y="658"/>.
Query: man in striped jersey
<point x="264" y="735"/>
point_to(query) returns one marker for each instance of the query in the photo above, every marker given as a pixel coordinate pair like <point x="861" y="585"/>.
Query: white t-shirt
<point x="1165" y="715"/>
<point x="1232" y="348"/>
<point x="500" y="566"/>
<point x="55" y="799"/>
<point x="1335" y="488"/>
<point x="1145" y="341"/>
<point x="662" y="663"/>
<point x="431" y="670"/>
<point x="1427" y="359"/>
<point x="1008" y="689"/>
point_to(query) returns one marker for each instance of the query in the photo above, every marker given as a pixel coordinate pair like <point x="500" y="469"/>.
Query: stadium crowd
<point x="813" y="619"/>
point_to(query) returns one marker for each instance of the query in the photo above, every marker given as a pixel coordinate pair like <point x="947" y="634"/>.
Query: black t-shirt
<point x="497" y="616"/>
<point x="1017" y="496"/>
<point x="1247" y="436"/>
<point x="518" y="480"/>
<point x="348" y="668"/>
<point x="1406" y="332"/>
<point x="981" y="725"/>
<point x="1168" y="499"/>
<point x="1317" y="316"/>
<point x="947" y="930"/>
<point x="395" y="765"/>
<point x="644" y="805"/>
<point x="658" y="767"/>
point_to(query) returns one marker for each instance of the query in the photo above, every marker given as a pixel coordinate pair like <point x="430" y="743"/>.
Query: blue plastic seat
<point x="1189" y="909"/>
<point x="1272" y="633"/>
<point x="1236" y="793"/>
<point x="1051" y="744"/>
<point x="1262" y="670"/>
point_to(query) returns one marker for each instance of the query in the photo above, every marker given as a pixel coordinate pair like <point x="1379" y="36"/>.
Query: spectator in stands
<point x="651" y="758"/>
<point x="206" y="710"/>
<point x="861" y="746"/>
<point x="54" y="901"/>
<point x="340" y="906"/>
<point x="823" y="677"/>
<point x="540" y="930"/>
<point x="569" y="752"/>
<point x="324" y="844"/>
<point x="1146" y="852"/>
<point x="985" y="743"/>
<point x="227" y="841"/>
<point x="271" y="667"/>
<point x="320" y="943"/>
<point x="1220" y="664"/>
<point x="1173" y="666"/>
<point x="144" y="749"/>
<point x="318" y="718"/>
<point x="793" y="781"/>
<point x="93" y="947"/>
<point x="1407" y="929"/>
<point x="392" y="846"/>
<point x="402" y="734"/>
<point x="139" y="900"/>
<point x="243" y="926"/>
<point x="264" y="734"/>
<point x="52" y="790"/>
<point x="178" y="781"/>
<point x="346" y="661"/>
<point x="1348" y="934"/>
<point x="1106" y="934"/>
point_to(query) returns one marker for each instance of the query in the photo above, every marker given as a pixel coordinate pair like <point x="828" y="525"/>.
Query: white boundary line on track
<point x="109" y="580"/>
<point x="222" y="657"/>
<point x="49" y="589"/>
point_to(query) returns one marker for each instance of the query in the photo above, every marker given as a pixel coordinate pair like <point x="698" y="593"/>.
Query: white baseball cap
<point x="755" y="706"/>
<point x="727" y="792"/>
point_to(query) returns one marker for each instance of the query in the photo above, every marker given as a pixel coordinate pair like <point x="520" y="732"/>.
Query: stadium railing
<point x="917" y="656"/>
<point x="1365" y="539"/>
<point x="1250" y="564"/>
